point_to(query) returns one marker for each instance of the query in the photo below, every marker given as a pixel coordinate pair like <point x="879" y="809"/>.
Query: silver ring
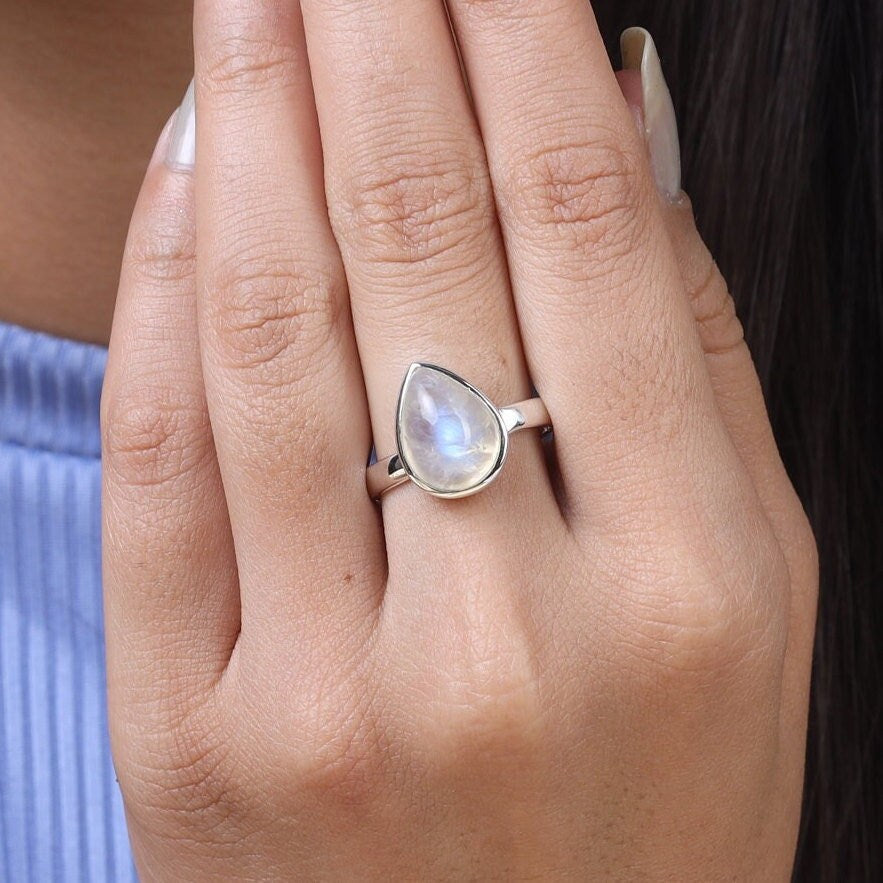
<point x="452" y="439"/>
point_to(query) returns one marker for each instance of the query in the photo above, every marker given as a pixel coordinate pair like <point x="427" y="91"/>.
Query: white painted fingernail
<point x="181" y="153"/>
<point x="660" y="125"/>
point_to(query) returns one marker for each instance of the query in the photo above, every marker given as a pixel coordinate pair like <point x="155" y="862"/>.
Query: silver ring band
<point x="452" y="440"/>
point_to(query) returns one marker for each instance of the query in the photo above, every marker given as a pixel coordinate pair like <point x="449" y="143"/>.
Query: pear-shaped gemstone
<point x="450" y="438"/>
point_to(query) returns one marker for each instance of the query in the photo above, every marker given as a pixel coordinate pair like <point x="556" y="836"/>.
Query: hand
<point x="598" y="667"/>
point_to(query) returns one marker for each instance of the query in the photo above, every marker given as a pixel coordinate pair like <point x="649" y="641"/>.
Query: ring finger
<point x="412" y="208"/>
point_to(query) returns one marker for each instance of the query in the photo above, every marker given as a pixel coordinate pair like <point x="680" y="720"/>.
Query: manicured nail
<point x="658" y="113"/>
<point x="181" y="153"/>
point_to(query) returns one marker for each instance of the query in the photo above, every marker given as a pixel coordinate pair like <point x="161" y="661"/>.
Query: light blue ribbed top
<point x="61" y="816"/>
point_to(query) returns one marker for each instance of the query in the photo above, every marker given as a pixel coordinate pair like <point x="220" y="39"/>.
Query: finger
<point x="734" y="381"/>
<point x="731" y="371"/>
<point x="740" y="400"/>
<point x="615" y="356"/>
<point x="411" y="204"/>
<point x="733" y="377"/>
<point x="171" y="595"/>
<point x="283" y="382"/>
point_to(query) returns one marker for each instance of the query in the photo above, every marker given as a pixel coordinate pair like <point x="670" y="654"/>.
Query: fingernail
<point x="181" y="152"/>
<point x="660" y="125"/>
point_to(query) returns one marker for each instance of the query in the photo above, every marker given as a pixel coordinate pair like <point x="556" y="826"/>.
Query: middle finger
<point x="283" y="383"/>
<point x="608" y="331"/>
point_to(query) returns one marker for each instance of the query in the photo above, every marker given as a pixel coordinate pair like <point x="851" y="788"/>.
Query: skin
<point x="596" y="669"/>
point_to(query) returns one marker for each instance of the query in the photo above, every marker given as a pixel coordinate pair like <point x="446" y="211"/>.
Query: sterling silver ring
<point x="452" y="439"/>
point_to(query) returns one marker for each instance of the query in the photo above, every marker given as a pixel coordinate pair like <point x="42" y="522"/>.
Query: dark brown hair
<point x="780" y="107"/>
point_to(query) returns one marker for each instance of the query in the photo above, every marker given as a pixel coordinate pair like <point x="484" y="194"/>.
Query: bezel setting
<point x="492" y="409"/>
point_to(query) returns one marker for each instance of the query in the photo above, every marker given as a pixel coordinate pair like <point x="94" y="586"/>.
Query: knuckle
<point x="496" y="712"/>
<point x="163" y="251"/>
<point x="715" y="312"/>
<point x="338" y="766"/>
<point x="155" y="437"/>
<point x="239" y="64"/>
<point x="710" y="624"/>
<point x="499" y="721"/>
<point x="693" y="633"/>
<point x="588" y="192"/>
<point x="499" y="12"/>
<point x="339" y="749"/>
<point x="271" y="320"/>
<point x="801" y="551"/>
<point x="177" y="777"/>
<point x="415" y="209"/>
<point x="489" y="699"/>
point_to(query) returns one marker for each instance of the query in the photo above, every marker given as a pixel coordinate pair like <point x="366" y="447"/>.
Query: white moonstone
<point x="449" y="437"/>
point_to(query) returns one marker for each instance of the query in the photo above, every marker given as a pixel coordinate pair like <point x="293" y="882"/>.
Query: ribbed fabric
<point x="61" y="815"/>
